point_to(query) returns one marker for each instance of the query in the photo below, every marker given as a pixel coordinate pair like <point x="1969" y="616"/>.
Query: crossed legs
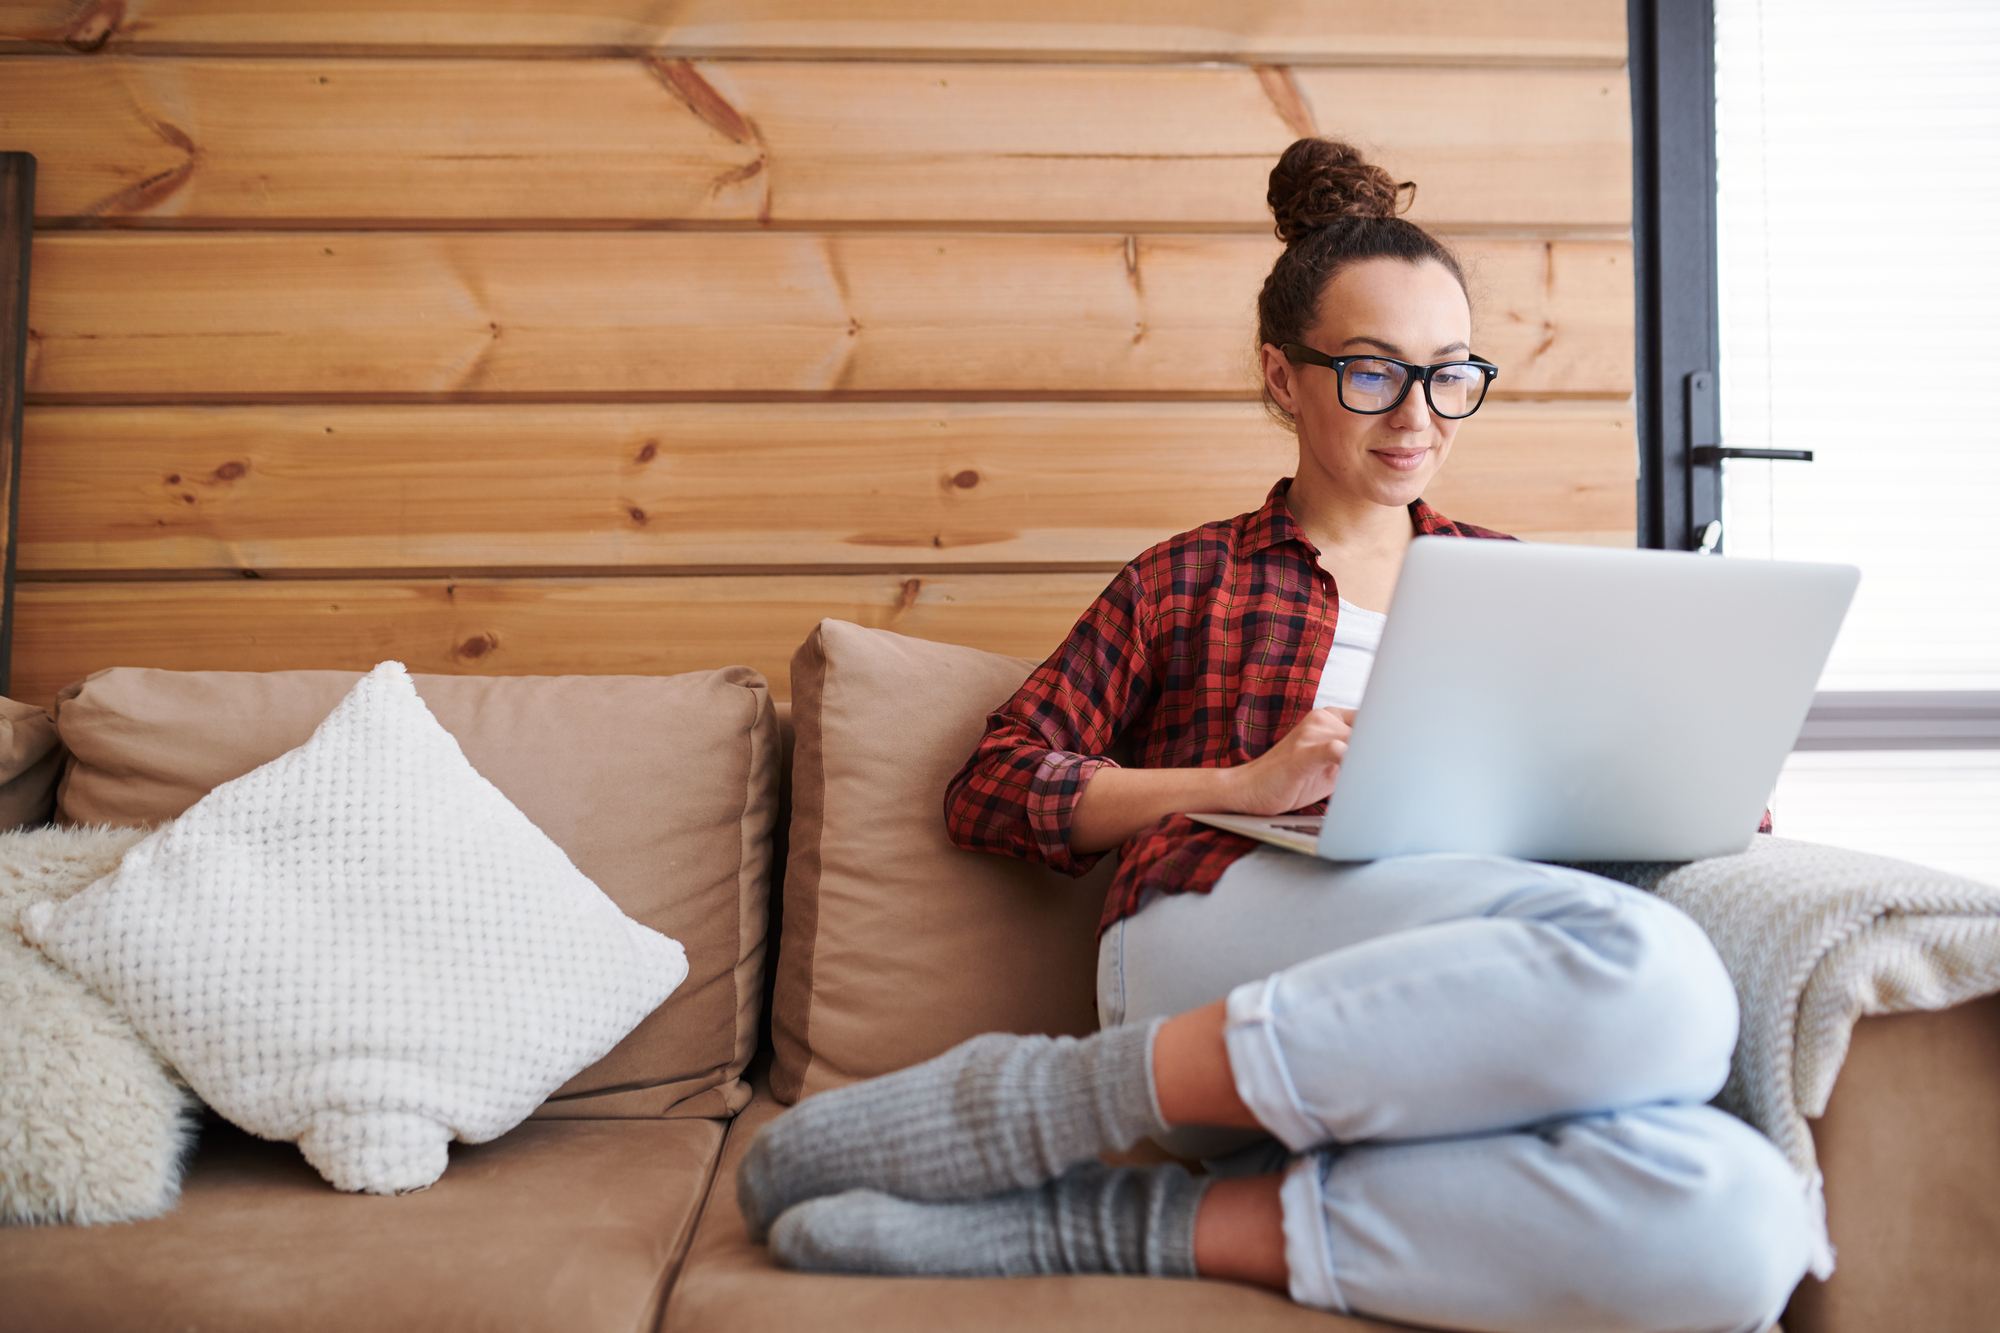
<point x="1487" y="1076"/>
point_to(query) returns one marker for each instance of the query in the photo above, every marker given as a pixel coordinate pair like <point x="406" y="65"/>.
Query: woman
<point x="1461" y="1091"/>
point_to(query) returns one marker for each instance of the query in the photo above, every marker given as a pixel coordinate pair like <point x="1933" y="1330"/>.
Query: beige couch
<point x="613" y="1208"/>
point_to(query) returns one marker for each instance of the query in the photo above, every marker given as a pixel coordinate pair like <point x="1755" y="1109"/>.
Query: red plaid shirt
<point x="1202" y="653"/>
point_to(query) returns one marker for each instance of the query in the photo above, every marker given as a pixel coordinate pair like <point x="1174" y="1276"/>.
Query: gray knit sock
<point x="999" y="1112"/>
<point x="1091" y="1219"/>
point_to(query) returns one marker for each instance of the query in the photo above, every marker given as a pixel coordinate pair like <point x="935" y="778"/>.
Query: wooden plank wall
<point x="635" y="337"/>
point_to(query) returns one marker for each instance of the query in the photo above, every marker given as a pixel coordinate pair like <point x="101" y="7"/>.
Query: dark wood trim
<point x="17" y="213"/>
<point x="1674" y="265"/>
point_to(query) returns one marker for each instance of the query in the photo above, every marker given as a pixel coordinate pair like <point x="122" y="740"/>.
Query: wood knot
<point x="173" y="479"/>
<point x="98" y="25"/>
<point x="966" y="480"/>
<point x="649" y="452"/>
<point x="638" y="515"/>
<point x="700" y="96"/>
<point x="476" y="647"/>
<point x="231" y="470"/>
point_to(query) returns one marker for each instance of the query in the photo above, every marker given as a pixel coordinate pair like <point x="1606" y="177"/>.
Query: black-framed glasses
<point x="1372" y="385"/>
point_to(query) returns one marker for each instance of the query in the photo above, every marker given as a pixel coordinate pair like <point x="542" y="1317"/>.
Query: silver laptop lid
<point x="1573" y="703"/>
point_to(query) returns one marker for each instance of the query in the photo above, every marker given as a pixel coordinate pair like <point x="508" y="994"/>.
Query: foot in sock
<point x="995" y="1113"/>
<point x="1091" y="1219"/>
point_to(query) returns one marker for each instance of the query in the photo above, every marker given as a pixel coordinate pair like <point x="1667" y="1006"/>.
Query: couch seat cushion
<point x="569" y="1226"/>
<point x="662" y="790"/>
<point x="728" y="1285"/>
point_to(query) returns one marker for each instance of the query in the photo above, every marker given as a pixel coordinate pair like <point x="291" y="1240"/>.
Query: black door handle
<point x="1706" y="454"/>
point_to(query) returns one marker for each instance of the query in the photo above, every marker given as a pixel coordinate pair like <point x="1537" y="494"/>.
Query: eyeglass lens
<point x="1369" y="385"/>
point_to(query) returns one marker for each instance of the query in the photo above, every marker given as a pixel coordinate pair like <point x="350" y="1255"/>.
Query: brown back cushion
<point x="663" y="790"/>
<point x="896" y="944"/>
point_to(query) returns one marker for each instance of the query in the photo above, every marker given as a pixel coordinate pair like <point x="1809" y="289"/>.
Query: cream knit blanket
<point x="1815" y="938"/>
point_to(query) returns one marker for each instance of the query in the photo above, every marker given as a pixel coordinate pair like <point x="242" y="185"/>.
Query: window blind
<point x="1858" y="184"/>
<point x="1858" y="172"/>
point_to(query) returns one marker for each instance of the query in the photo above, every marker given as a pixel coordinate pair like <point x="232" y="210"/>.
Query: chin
<point x="1400" y="488"/>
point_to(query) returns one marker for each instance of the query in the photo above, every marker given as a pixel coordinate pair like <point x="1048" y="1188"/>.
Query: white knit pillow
<point x="365" y="947"/>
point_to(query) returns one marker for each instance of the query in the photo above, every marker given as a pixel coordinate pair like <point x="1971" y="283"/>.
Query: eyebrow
<point x="1391" y="349"/>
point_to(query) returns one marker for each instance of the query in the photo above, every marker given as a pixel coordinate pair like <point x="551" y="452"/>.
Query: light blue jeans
<point x="1486" y="1081"/>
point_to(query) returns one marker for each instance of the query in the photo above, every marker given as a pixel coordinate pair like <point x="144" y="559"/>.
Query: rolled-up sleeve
<point x="1018" y="792"/>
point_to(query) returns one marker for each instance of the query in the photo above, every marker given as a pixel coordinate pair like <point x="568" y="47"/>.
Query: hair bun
<point x="1319" y="181"/>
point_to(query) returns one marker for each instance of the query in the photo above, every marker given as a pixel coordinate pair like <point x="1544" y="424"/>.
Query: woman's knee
<point x="1661" y="993"/>
<point x="1660" y="1218"/>
<point x="1720" y="1232"/>
<point x="1688" y="1001"/>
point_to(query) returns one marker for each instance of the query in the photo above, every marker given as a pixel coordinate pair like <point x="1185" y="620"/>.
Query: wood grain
<point x="708" y="319"/>
<point x="1585" y="32"/>
<point x="213" y="317"/>
<point x="931" y="486"/>
<point x="519" y="626"/>
<point x="646" y="141"/>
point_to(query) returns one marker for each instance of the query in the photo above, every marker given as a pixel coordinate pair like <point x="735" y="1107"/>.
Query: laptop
<point x="1569" y="703"/>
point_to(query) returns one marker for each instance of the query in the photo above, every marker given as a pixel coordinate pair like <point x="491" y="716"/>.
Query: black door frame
<point x="1678" y="324"/>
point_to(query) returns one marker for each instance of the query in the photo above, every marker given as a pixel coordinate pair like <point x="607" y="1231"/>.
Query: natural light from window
<point x="1858" y="163"/>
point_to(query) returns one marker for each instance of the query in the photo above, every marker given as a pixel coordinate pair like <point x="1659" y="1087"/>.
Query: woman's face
<point x="1413" y="312"/>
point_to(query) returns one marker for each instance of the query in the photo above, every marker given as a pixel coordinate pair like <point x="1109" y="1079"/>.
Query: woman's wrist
<point x="1231" y="790"/>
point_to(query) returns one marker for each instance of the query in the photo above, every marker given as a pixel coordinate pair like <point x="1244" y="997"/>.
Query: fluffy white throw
<point x="1817" y="937"/>
<point x="93" y="1125"/>
<point x="365" y="947"/>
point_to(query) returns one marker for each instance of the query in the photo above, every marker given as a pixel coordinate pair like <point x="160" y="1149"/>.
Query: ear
<point x="1280" y="377"/>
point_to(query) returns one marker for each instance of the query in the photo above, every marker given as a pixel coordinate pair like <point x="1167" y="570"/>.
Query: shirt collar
<point x="1273" y="523"/>
<point x="1430" y="523"/>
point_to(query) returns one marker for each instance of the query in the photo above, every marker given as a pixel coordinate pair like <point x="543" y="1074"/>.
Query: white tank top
<point x="1356" y="635"/>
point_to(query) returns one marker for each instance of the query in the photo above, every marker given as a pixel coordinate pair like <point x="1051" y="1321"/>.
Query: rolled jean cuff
<point x="1308" y="1248"/>
<point x="1258" y="1066"/>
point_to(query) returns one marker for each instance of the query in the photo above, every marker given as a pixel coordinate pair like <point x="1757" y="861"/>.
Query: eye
<point x="1456" y="377"/>
<point x="1371" y="376"/>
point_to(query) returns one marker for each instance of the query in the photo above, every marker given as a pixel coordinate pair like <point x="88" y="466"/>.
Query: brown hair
<point x="1333" y="209"/>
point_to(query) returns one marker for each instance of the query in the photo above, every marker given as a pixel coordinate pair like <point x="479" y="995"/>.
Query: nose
<point x="1414" y="412"/>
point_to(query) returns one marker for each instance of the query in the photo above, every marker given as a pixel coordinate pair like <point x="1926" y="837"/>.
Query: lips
<point x="1403" y="460"/>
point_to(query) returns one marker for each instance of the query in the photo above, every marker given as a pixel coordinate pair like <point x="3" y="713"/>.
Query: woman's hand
<point x="1119" y="802"/>
<point x="1299" y="769"/>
